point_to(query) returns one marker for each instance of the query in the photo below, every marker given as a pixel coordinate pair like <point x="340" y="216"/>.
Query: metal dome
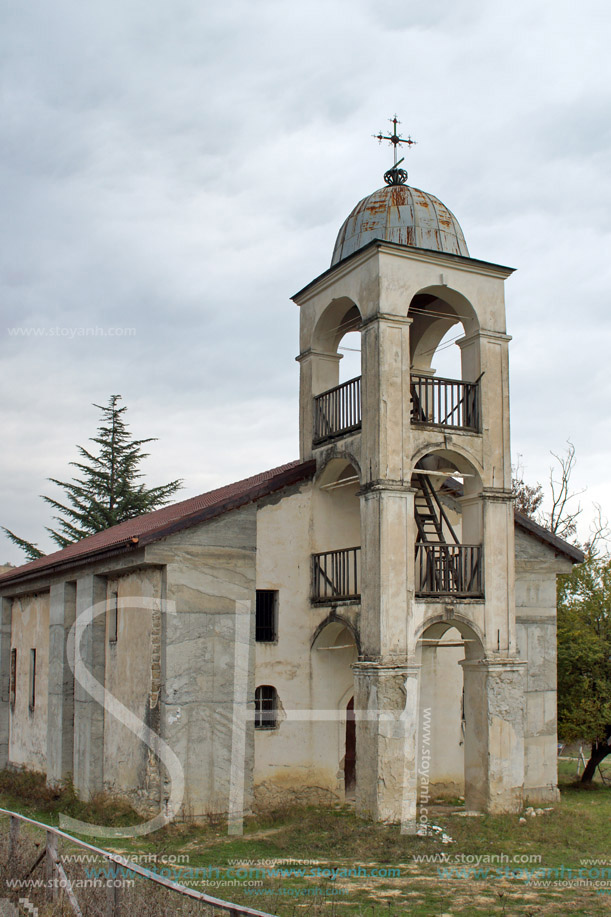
<point x="398" y="213"/>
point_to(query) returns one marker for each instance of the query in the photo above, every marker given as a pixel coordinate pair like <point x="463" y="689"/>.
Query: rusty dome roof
<point x="398" y="213"/>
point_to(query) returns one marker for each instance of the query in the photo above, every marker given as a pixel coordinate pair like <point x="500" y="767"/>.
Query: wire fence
<point x="40" y="872"/>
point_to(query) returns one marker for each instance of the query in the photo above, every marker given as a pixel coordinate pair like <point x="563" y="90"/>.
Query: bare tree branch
<point x="561" y="520"/>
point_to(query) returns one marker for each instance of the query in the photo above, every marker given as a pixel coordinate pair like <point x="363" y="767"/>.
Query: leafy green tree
<point x="108" y="488"/>
<point x="584" y="658"/>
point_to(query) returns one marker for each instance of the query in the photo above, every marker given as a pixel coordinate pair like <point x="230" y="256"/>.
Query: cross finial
<point x="395" y="176"/>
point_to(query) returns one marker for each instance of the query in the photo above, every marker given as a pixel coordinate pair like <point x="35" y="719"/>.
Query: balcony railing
<point x="337" y="411"/>
<point x="449" y="569"/>
<point x="336" y="574"/>
<point x="445" y="402"/>
<point x="442" y="402"/>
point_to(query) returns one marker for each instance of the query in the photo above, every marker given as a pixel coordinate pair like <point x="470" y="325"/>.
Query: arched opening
<point x="450" y="734"/>
<point x="445" y="364"/>
<point x="341" y="317"/>
<point x="337" y="383"/>
<point x="449" y="525"/>
<point x="336" y="566"/>
<point x="334" y="651"/>
<point x="350" y="756"/>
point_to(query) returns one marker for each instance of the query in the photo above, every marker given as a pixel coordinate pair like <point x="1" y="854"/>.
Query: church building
<point x="372" y="621"/>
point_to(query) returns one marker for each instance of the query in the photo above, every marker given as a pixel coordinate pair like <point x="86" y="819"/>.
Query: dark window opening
<point x="13" y="677"/>
<point x="266" y="630"/>
<point x="266" y="707"/>
<point x="113" y="618"/>
<point x="32" y="698"/>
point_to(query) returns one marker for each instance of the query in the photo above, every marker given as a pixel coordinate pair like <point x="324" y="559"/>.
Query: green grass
<point x="335" y="837"/>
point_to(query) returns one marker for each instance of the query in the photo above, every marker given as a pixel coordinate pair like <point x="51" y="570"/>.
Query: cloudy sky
<point x="173" y="172"/>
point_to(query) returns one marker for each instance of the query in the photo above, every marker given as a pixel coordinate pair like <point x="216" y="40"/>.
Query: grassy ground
<point x="494" y="865"/>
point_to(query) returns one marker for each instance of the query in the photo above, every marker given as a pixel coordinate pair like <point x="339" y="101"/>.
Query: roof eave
<point x="301" y="472"/>
<point x="397" y="248"/>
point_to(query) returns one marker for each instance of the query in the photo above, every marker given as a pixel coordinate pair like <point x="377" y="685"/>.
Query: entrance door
<point x="350" y="759"/>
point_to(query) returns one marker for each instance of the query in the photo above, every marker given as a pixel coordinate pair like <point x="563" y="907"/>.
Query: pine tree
<point x="108" y="489"/>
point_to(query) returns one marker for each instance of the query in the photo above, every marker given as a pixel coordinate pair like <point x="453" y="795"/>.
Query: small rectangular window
<point x="32" y="698"/>
<point x="113" y="618"/>
<point x="266" y="630"/>
<point x="13" y="678"/>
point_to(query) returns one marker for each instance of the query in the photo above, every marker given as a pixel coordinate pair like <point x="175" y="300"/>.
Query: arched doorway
<point x="334" y="651"/>
<point x="451" y="744"/>
<point x="350" y="755"/>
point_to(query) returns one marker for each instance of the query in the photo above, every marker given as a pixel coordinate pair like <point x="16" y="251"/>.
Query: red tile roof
<point x="143" y="530"/>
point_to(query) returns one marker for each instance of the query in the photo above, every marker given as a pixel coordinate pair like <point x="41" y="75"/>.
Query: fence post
<point x="13" y="838"/>
<point x="113" y="893"/>
<point x="50" y="861"/>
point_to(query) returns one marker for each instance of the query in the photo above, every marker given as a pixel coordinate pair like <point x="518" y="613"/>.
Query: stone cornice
<point x="424" y="255"/>
<point x="332" y="357"/>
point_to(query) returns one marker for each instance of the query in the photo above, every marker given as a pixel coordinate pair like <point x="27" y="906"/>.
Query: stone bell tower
<point x="402" y="275"/>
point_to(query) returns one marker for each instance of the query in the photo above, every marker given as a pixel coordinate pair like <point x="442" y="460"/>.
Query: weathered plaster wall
<point x="129" y="680"/>
<point x="303" y="757"/>
<point x="536" y="570"/>
<point x="28" y="728"/>
<point x="209" y="657"/>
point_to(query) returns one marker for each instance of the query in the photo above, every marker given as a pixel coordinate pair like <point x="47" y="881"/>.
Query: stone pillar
<point x="386" y="428"/>
<point x="499" y="572"/>
<point x="88" y="714"/>
<point x="494" y="735"/>
<point x="486" y="354"/>
<point x="5" y="666"/>
<point x="318" y="373"/>
<point x="60" y="716"/>
<point x="386" y="713"/>
<point x="387" y="540"/>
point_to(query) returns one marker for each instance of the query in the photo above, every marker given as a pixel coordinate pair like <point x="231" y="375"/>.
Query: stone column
<point x="318" y="373"/>
<point x="499" y="571"/>
<point x="494" y="737"/>
<point x="60" y="716"/>
<point x="386" y="397"/>
<point x="486" y="354"/>
<point x="5" y="666"/>
<point x="88" y="714"/>
<point x="386" y="713"/>
<point x="387" y="540"/>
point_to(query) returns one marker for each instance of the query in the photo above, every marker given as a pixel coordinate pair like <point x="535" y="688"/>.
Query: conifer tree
<point x="107" y="490"/>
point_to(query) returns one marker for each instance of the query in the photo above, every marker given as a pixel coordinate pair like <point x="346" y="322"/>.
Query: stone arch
<point x="463" y="459"/>
<point x="334" y="650"/>
<point x="341" y="316"/>
<point x="435" y="310"/>
<point x="451" y="746"/>
<point x="335" y="465"/>
<point x="337" y="525"/>
<point x="465" y="499"/>
<point x="438" y="625"/>
<point x="330" y="630"/>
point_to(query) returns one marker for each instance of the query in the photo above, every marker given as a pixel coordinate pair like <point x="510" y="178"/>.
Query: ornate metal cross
<point x="395" y="176"/>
